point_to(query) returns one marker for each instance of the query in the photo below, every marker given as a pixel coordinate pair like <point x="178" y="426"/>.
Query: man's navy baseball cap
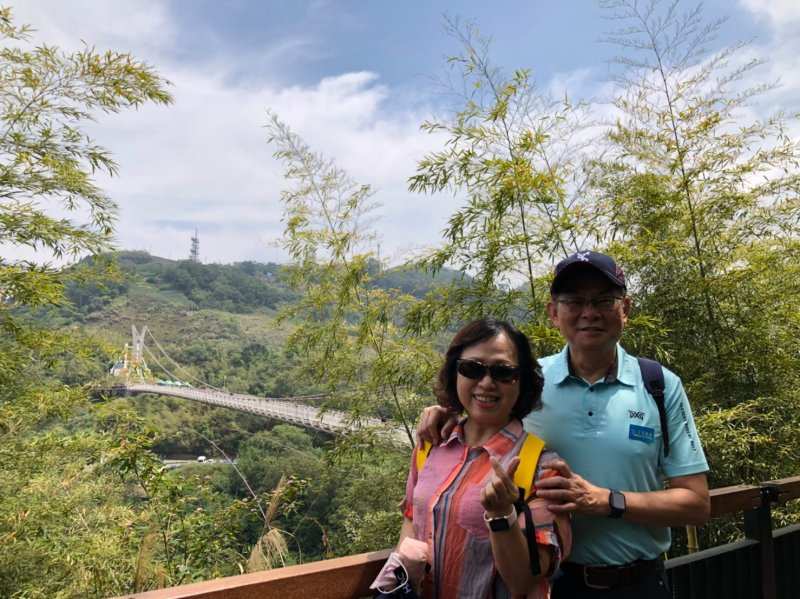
<point x="601" y="262"/>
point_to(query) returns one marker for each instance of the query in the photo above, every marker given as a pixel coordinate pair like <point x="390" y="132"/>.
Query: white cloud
<point x="205" y="162"/>
<point x="781" y="13"/>
<point x="142" y="26"/>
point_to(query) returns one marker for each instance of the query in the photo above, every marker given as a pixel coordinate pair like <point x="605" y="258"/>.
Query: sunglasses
<point x="472" y="369"/>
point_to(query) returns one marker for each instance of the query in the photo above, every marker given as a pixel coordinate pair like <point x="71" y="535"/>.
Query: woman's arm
<point x="407" y="530"/>
<point x="511" y="558"/>
<point x="509" y="547"/>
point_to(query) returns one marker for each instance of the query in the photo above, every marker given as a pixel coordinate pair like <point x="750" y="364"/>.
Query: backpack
<point x="653" y="377"/>
<point x="523" y="479"/>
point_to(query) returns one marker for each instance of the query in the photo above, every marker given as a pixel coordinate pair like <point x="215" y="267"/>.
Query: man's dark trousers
<point x="653" y="586"/>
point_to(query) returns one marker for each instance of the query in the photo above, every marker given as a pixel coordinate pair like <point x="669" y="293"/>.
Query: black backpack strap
<point x="530" y="533"/>
<point x="653" y="377"/>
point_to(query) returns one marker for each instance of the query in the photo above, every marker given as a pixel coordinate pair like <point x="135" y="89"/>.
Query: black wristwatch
<point x="502" y="523"/>
<point x="616" y="501"/>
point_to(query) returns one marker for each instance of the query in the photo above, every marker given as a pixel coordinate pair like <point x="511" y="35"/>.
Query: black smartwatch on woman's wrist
<point x="501" y="523"/>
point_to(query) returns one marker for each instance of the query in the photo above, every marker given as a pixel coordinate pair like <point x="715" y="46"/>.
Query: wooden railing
<point x="349" y="577"/>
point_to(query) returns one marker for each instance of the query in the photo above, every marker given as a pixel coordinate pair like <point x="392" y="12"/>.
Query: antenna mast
<point x="194" y="253"/>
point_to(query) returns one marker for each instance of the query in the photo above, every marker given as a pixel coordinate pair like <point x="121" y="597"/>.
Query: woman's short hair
<point x="530" y="376"/>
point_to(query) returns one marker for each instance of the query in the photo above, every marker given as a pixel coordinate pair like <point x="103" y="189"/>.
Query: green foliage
<point x="65" y="527"/>
<point x="365" y="511"/>
<point x="347" y="328"/>
<point x="47" y="95"/>
<point x="699" y="205"/>
<point x="703" y="211"/>
<point x="233" y="288"/>
<point x="511" y="150"/>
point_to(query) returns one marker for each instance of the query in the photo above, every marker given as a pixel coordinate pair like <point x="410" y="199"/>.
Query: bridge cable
<point x="194" y="378"/>
<point x="205" y="384"/>
<point x="152" y="356"/>
<point x="268" y="400"/>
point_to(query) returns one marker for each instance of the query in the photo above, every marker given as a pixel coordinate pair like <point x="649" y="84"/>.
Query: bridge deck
<point x="329" y="421"/>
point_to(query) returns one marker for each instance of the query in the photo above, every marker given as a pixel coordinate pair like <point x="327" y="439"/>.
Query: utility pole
<point x="194" y="253"/>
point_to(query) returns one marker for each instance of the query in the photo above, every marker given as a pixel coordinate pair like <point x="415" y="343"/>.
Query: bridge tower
<point x="132" y="365"/>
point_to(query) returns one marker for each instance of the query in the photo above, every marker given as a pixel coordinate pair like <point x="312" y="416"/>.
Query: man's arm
<point x="435" y="424"/>
<point x="686" y="501"/>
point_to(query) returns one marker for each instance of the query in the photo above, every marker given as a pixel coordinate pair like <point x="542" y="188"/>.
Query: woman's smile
<point x="486" y="401"/>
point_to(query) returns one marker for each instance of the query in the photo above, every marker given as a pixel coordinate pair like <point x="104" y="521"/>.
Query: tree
<point x="347" y="331"/>
<point x="697" y="201"/>
<point x="51" y="544"/>
<point x="702" y="207"/>
<point x="516" y="154"/>
<point x="46" y="160"/>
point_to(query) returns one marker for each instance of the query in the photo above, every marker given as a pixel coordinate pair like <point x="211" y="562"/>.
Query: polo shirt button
<point x="591" y="389"/>
<point x="591" y="413"/>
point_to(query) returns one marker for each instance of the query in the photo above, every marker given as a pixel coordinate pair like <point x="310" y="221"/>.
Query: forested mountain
<point x="218" y="322"/>
<point x="221" y="324"/>
<point x="240" y="288"/>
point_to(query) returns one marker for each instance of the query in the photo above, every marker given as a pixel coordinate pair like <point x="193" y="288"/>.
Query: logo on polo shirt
<point x="636" y="415"/>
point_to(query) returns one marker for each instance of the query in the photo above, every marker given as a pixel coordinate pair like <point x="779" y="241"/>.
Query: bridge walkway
<point x="293" y="412"/>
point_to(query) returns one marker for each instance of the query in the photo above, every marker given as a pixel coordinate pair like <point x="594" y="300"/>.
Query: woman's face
<point x="486" y="401"/>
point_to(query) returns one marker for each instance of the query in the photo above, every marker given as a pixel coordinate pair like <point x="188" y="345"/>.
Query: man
<point x="599" y="417"/>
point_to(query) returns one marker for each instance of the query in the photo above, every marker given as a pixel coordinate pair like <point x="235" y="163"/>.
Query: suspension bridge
<point x="131" y="375"/>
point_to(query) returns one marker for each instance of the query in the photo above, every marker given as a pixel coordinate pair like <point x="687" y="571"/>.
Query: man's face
<point x="589" y="327"/>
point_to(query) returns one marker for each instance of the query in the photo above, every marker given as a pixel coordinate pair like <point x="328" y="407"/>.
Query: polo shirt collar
<point x="559" y="371"/>
<point x="623" y="372"/>
<point x="627" y="367"/>
<point x="498" y="444"/>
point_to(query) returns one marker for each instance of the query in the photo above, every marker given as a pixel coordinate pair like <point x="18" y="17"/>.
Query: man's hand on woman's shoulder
<point x="435" y="424"/>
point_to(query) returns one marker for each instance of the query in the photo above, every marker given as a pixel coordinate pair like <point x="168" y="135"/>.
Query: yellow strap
<point x="528" y="459"/>
<point x="422" y="454"/>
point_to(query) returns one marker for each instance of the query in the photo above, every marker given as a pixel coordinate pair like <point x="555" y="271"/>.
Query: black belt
<point x="609" y="577"/>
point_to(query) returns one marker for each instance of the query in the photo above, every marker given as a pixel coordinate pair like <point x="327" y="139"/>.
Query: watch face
<point x="498" y="524"/>
<point x="617" y="501"/>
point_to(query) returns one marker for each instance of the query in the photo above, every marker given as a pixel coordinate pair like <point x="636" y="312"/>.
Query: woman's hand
<point x="500" y="492"/>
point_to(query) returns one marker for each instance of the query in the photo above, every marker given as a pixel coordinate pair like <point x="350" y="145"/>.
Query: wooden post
<point x="692" y="543"/>
<point x="758" y="527"/>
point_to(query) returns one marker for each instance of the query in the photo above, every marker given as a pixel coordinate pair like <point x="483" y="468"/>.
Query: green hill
<point x="217" y="321"/>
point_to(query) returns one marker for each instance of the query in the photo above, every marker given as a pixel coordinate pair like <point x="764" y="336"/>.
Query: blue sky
<point x="354" y="79"/>
<point x="404" y="42"/>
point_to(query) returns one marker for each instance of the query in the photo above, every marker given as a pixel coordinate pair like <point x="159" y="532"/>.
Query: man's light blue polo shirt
<point x="609" y="433"/>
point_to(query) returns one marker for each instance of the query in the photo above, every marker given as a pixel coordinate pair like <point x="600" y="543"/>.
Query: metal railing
<point x="765" y="564"/>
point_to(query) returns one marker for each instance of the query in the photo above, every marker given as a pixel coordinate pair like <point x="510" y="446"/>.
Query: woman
<point x="461" y="503"/>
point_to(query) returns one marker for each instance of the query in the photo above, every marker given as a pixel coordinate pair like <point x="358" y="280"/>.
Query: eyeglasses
<point x="472" y="369"/>
<point x="604" y="303"/>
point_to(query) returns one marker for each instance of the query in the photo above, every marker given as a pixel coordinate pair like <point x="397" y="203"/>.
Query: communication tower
<point x="194" y="253"/>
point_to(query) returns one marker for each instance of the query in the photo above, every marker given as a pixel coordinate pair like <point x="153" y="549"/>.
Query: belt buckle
<point x="599" y="587"/>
